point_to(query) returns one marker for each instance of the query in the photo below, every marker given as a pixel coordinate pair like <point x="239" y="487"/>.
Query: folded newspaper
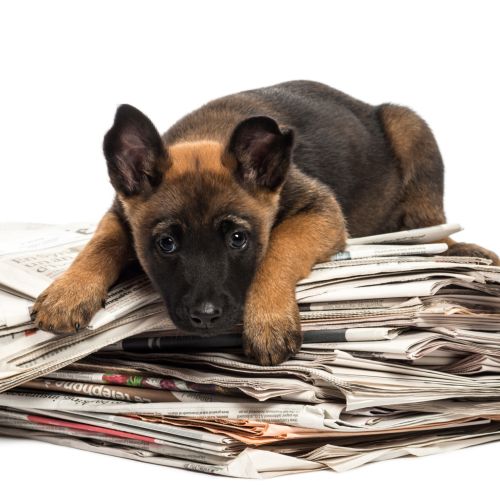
<point x="401" y="356"/>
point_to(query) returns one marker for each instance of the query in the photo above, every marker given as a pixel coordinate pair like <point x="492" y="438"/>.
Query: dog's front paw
<point x="69" y="303"/>
<point x="271" y="330"/>
<point x="471" y="250"/>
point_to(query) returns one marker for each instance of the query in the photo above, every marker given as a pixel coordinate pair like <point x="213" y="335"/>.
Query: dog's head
<point x="200" y="212"/>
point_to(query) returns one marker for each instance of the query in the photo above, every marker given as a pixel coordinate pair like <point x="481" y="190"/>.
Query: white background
<point x="65" y="66"/>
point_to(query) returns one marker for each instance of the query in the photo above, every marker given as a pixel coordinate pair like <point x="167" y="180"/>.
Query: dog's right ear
<point x="134" y="152"/>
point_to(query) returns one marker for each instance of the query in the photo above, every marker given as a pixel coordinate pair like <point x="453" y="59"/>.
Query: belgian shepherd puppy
<point x="239" y="199"/>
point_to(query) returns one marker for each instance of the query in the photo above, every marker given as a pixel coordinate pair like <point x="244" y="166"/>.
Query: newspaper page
<point x="419" y="236"/>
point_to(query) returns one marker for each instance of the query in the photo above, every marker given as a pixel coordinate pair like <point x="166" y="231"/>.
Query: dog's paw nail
<point x="103" y="303"/>
<point x="77" y="326"/>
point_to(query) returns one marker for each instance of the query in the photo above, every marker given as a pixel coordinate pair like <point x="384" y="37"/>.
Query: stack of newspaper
<point x="401" y="356"/>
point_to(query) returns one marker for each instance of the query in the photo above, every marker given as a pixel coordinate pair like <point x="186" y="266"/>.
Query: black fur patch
<point x="262" y="152"/>
<point x="134" y="152"/>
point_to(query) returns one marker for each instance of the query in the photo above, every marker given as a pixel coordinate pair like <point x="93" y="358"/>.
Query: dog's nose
<point x="205" y="314"/>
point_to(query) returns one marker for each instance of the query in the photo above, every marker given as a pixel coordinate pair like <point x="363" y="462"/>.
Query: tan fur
<point x="195" y="156"/>
<point x="69" y="303"/>
<point x="407" y="132"/>
<point x="422" y="199"/>
<point x="271" y="322"/>
<point x="415" y="147"/>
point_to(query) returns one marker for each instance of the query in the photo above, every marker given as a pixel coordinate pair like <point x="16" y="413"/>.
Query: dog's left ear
<point x="134" y="152"/>
<point x="262" y="152"/>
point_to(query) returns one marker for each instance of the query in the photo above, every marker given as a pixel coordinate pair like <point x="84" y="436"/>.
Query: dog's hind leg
<point x="422" y="174"/>
<point x="69" y="303"/>
<point x="470" y="250"/>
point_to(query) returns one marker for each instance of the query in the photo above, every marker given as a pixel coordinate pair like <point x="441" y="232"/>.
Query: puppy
<point x="239" y="199"/>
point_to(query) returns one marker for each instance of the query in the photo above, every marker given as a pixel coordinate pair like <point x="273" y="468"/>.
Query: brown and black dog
<point x="240" y="198"/>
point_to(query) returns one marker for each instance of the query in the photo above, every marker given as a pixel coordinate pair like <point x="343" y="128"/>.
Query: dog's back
<point x="341" y="141"/>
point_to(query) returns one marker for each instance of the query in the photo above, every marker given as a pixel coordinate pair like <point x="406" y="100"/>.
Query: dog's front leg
<point x="69" y="303"/>
<point x="272" y="330"/>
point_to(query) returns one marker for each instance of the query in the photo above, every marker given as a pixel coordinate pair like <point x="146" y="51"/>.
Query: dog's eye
<point x="167" y="244"/>
<point x="238" y="240"/>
